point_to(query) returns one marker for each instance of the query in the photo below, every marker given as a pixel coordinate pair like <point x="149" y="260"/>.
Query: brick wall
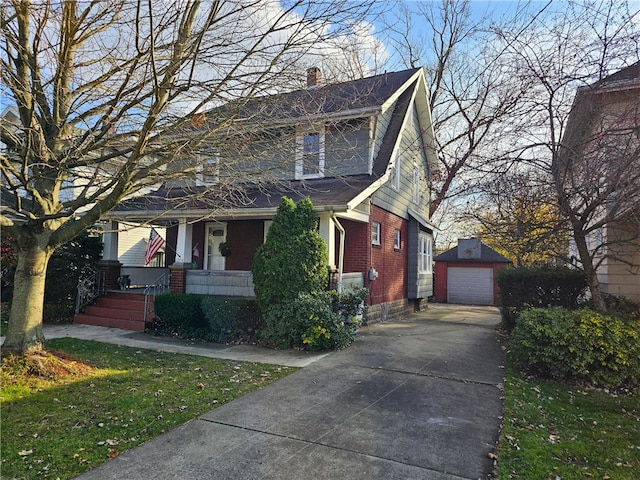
<point x="391" y="264"/>
<point x="357" y="256"/>
<point x="245" y="236"/>
<point x="178" y="278"/>
<point x="109" y="273"/>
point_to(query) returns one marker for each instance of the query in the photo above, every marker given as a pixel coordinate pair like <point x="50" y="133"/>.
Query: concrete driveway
<point x="418" y="398"/>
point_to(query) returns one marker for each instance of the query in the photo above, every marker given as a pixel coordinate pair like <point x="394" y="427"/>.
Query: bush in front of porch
<point x="180" y="314"/>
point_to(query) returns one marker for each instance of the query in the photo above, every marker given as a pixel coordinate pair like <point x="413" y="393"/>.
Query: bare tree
<point x="579" y="127"/>
<point x="470" y="94"/>
<point x="107" y="97"/>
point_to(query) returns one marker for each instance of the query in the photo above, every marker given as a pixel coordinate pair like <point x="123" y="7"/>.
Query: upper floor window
<point x="425" y="255"/>
<point x="310" y="155"/>
<point x="208" y="171"/>
<point x="396" y="239"/>
<point x="397" y="168"/>
<point x="375" y="233"/>
<point x="416" y="184"/>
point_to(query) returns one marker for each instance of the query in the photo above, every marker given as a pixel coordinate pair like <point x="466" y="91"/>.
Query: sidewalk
<point x="248" y="353"/>
<point x="418" y="398"/>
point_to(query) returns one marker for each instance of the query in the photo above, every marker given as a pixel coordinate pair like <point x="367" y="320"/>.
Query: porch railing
<point x="90" y="287"/>
<point x="160" y="285"/>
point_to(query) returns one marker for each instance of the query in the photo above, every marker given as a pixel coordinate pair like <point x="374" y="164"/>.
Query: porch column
<point x="109" y="266"/>
<point x="184" y="243"/>
<point x="110" y="241"/>
<point x="328" y="233"/>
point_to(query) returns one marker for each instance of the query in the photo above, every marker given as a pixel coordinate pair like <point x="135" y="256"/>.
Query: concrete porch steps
<point x="118" y="309"/>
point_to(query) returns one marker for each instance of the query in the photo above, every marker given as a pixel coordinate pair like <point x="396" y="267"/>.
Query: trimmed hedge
<point x="522" y="288"/>
<point x="180" y="314"/>
<point x="230" y="318"/>
<point x="307" y="322"/>
<point x="580" y="345"/>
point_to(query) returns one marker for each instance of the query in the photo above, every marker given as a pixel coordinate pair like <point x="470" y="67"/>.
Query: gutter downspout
<point x="341" y="253"/>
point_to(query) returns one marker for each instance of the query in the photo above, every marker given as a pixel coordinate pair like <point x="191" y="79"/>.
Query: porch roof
<point x="255" y="200"/>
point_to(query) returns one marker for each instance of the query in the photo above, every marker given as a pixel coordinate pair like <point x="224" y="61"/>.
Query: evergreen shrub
<point x="523" y="288"/>
<point x="231" y="318"/>
<point x="293" y="259"/>
<point x="180" y="314"/>
<point x="579" y="345"/>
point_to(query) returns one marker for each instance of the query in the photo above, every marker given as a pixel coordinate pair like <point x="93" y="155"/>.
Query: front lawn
<point x="561" y="432"/>
<point x="61" y="418"/>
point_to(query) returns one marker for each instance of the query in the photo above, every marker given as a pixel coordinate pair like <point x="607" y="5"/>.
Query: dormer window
<point x="208" y="171"/>
<point x="310" y="154"/>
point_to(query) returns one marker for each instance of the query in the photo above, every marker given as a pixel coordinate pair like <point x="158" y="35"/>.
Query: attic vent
<point x="314" y="77"/>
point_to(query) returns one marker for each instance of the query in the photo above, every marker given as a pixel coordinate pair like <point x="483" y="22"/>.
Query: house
<point x="602" y="139"/>
<point x="466" y="273"/>
<point x="362" y="151"/>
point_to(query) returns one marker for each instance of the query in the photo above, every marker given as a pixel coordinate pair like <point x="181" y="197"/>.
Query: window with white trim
<point x="396" y="239"/>
<point x="376" y="233"/>
<point x="310" y="154"/>
<point x="397" y="168"/>
<point x="425" y="256"/>
<point x="208" y="172"/>
<point x="416" y="184"/>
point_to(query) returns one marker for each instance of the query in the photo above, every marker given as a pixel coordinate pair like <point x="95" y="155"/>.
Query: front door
<point x="216" y="234"/>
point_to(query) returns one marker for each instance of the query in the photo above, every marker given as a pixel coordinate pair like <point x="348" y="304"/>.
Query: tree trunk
<point x="590" y="274"/>
<point x="25" y="322"/>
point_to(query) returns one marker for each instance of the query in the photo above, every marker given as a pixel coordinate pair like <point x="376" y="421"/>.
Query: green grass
<point x="555" y="431"/>
<point x="59" y="428"/>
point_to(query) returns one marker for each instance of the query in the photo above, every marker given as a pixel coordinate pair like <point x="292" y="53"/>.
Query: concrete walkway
<point x="418" y="398"/>
<point x="248" y="353"/>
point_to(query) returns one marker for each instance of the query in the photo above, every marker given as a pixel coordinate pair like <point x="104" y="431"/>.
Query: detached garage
<point x="466" y="274"/>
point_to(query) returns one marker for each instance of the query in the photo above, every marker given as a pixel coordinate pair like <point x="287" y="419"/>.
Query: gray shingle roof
<point x="487" y="255"/>
<point x="323" y="192"/>
<point x="361" y="94"/>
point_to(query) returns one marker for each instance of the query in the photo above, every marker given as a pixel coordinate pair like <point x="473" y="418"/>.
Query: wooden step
<point x="118" y="310"/>
<point x="135" y="325"/>
<point x="112" y="312"/>
<point x="124" y="304"/>
<point x="124" y="295"/>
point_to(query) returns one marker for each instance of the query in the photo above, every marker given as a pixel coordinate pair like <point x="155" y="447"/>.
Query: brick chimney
<point x="314" y="77"/>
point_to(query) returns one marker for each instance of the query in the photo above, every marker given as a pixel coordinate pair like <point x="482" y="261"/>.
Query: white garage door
<point x="470" y="286"/>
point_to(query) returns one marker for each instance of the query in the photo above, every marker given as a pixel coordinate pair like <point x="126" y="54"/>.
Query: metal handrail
<point x="160" y="285"/>
<point x="90" y="287"/>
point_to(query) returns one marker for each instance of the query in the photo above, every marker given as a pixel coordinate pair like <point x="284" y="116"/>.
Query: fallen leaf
<point x="112" y="453"/>
<point x="24" y="453"/>
<point x="492" y="456"/>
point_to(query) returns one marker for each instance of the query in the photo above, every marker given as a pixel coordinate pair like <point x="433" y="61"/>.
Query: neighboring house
<point x="466" y="274"/>
<point x="603" y="133"/>
<point x="361" y="151"/>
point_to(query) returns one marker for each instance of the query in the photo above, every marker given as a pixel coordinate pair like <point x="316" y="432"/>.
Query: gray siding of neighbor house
<point x="410" y="152"/>
<point x="420" y="285"/>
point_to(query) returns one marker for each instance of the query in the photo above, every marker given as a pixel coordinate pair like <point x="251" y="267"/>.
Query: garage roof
<point x="487" y="255"/>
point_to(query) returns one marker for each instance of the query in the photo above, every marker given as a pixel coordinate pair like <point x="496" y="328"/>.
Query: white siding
<point x="132" y="244"/>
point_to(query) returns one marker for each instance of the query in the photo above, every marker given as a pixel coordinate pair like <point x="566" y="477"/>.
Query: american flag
<point x="155" y="243"/>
